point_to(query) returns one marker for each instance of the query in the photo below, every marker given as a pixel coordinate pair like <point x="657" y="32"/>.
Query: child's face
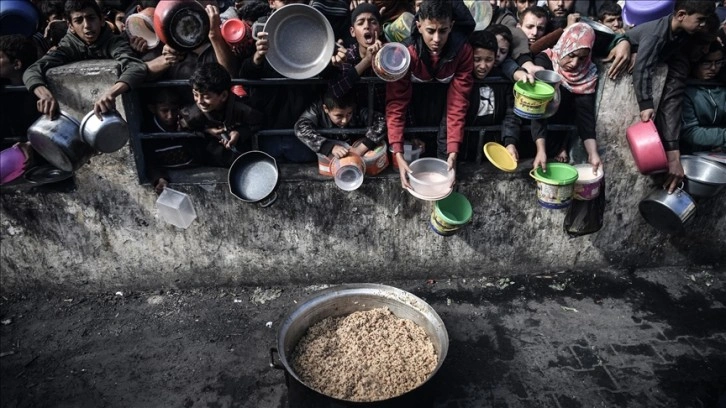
<point x="167" y="114"/>
<point x="614" y="21"/>
<point x="210" y="101"/>
<point x="709" y="66"/>
<point x="691" y="23"/>
<point x="502" y="50"/>
<point x="340" y="117"/>
<point x="120" y="22"/>
<point x="484" y="61"/>
<point x="86" y="24"/>
<point x="365" y="29"/>
<point x="533" y="26"/>
<point x="6" y="66"/>
<point x="435" y="33"/>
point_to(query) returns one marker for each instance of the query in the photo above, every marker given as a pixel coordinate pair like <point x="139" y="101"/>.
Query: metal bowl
<point x="301" y="41"/>
<point x="106" y="135"/>
<point x="345" y="299"/>
<point x="59" y="141"/>
<point x="704" y="178"/>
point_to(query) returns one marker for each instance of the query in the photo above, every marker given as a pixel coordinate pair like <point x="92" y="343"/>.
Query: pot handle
<point x="273" y="363"/>
<point x="257" y="27"/>
<point x="269" y="200"/>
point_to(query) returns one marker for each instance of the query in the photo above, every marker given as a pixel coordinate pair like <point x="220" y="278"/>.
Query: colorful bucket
<point x="348" y="172"/>
<point x="376" y="160"/>
<point x="587" y="186"/>
<point x="450" y="214"/>
<point x="530" y="101"/>
<point x="555" y="187"/>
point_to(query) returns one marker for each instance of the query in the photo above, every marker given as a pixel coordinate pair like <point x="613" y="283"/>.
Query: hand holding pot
<point x="512" y="149"/>
<point x="261" y="48"/>
<point x="214" y="22"/>
<point x="675" y="171"/>
<point x="339" y="151"/>
<point x="47" y="105"/>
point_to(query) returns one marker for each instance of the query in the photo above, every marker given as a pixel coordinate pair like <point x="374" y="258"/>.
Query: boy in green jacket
<point x="88" y="37"/>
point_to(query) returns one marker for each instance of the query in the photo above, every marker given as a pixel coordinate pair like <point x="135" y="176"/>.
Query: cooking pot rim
<point x="252" y="156"/>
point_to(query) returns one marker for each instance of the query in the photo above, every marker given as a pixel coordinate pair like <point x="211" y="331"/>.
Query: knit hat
<point x="365" y="8"/>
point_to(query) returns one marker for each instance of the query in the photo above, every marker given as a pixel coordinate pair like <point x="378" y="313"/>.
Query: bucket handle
<point x="273" y="363"/>
<point x="533" y="174"/>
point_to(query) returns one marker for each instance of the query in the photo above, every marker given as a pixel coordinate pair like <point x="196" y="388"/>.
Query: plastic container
<point x="587" y="186"/>
<point x="641" y="11"/>
<point x="376" y="160"/>
<point x="556" y="186"/>
<point x="530" y="100"/>
<point x="450" y="214"/>
<point x="348" y="172"/>
<point x="237" y="32"/>
<point x="647" y="148"/>
<point x="430" y="176"/>
<point x="176" y="208"/>
<point x="18" y="17"/>
<point x="142" y="25"/>
<point x="499" y="156"/>
<point x="391" y="62"/>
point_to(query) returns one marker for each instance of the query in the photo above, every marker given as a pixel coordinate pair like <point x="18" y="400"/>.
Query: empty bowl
<point x="430" y="176"/>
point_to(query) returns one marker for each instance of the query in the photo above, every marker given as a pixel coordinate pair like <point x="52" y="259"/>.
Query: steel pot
<point x="181" y="24"/>
<point x="667" y="212"/>
<point x="253" y="178"/>
<point x="554" y="79"/>
<point x="59" y="141"/>
<point x="342" y="300"/>
<point x="301" y="41"/>
<point x="704" y="178"/>
<point x="106" y="135"/>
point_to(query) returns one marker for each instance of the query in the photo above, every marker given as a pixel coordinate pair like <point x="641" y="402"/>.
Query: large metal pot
<point x="704" y="178"/>
<point x="106" y="135"/>
<point x="343" y="300"/>
<point x="60" y="142"/>
<point x="181" y="24"/>
<point x="253" y="178"/>
<point x="668" y="213"/>
<point x="301" y="41"/>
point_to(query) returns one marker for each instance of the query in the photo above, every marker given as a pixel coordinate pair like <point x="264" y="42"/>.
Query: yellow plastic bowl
<point x="499" y="157"/>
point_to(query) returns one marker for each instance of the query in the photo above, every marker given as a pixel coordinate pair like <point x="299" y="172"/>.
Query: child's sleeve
<point x="306" y="129"/>
<point x="645" y="62"/>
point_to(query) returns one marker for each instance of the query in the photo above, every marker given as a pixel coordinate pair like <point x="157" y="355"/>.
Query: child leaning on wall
<point x="333" y="112"/>
<point x="219" y="114"/>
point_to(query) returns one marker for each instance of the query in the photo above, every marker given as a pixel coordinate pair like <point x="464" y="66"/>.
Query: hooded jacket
<point x="704" y="116"/>
<point x="73" y="49"/>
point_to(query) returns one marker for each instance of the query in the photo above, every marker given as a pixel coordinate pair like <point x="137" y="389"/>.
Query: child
<point x="610" y="14"/>
<point x="18" y="109"/>
<point x="366" y="29"/>
<point x="533" y="23"/>
<point x="88" y="37"/>
<point x="490" y="105"/>
<point x="660" y="41"/>
<point x="217" y="112"/>
<point x="338" y="112"/>
<point x="571" y="57"/>
<point x="440" y="55"/>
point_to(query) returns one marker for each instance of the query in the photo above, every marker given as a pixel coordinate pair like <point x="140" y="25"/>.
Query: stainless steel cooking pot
<point x="60" y="142"/>
<point x="253" y="178"/>
<point x="704" y="178"/>
<point x="106" y="135"/>
<point x="181" y="24"/>
<point x="668" y="212"/>
<point x="301" y="41"/>
<point x="343" y="300"/>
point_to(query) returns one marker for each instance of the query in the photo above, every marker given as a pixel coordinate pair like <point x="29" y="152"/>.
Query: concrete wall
<point x="106" y="235"/>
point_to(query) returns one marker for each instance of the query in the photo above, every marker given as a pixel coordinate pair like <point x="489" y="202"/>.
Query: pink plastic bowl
<point x="12" y="164"/>
<point x="646" y="147"/>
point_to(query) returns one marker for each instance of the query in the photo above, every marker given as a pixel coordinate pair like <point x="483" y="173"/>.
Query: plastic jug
<point x="176" y="208"/>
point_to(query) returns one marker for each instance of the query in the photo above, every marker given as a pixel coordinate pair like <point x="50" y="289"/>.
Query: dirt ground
<point x="568" y="339"/>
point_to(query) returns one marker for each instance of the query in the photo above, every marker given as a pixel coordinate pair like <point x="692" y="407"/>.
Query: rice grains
<point x="365" y="356"/>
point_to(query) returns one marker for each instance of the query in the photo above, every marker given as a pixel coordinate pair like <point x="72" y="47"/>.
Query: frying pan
<point x="253" y="178"/>
<point x="301" y="41"/>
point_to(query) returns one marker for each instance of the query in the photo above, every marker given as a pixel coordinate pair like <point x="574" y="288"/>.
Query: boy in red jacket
<point x="439" y="55"/>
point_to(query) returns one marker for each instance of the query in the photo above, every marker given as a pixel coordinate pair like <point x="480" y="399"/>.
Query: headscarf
<point x="575" y="37"/>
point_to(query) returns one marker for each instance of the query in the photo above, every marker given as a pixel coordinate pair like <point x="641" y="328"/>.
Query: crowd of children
<point x="451" y="57"/>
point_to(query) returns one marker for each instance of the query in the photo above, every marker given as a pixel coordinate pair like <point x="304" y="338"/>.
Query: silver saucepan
<point x="59" y="141"/>
<point x="253" y="178"/>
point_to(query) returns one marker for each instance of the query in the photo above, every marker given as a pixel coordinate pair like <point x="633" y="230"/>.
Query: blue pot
<point x="18" y="17"/>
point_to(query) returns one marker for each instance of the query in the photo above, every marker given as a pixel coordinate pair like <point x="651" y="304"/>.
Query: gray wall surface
<point x="107" y="235"/>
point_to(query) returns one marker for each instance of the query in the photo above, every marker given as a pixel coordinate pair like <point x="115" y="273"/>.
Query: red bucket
<point x="646" y="147"/>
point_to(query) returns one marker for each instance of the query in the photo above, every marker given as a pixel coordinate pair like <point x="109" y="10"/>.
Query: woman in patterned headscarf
<point x="571" y="57"/>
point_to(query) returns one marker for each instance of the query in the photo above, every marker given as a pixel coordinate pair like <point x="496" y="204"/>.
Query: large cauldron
<point x="343" y="300"/>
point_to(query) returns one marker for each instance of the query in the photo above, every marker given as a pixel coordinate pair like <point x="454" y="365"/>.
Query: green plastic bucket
<point x="530" y="100"/>
<point x="450" y="214"/>
<point x="556" y="186"/>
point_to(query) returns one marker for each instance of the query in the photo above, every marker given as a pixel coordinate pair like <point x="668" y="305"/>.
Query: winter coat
<point x="704" y="116"/>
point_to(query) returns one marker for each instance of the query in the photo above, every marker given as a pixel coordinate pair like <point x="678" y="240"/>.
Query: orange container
<point x="376" y="160"/>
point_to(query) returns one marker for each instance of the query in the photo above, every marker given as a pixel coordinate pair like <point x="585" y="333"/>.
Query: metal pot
<point x="604" y="35"/>
<point x="106" y="135"/>
<point x="60" y="142"/>
<point x="181" y="24"/>
<point x="253" y="178"/>
<point x="342" y="300"/>
<point x="667" y="212"/>
<point x="554" y="79"/>
<point x="704" y="178"/>
<point x="301" y="41"/>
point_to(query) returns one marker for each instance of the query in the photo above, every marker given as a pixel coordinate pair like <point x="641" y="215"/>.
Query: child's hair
<point x="435" y="10"/>
<point x="484" y="39"/>
<point x="709" y="32"/>
<point x="609" y="8"/>
<point x="52" y="7"/>
<point x="253" y="10"/>
<point x="538" y="12"/>
<point x="74" y="6"/>
<point x="501" y="29"/>
<point x="169" y="96"/>
<point x="704" y="7"/>
<point x="17" y="46"/>
<point x="210" y="77"/>
<point x="345" y="101"/>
